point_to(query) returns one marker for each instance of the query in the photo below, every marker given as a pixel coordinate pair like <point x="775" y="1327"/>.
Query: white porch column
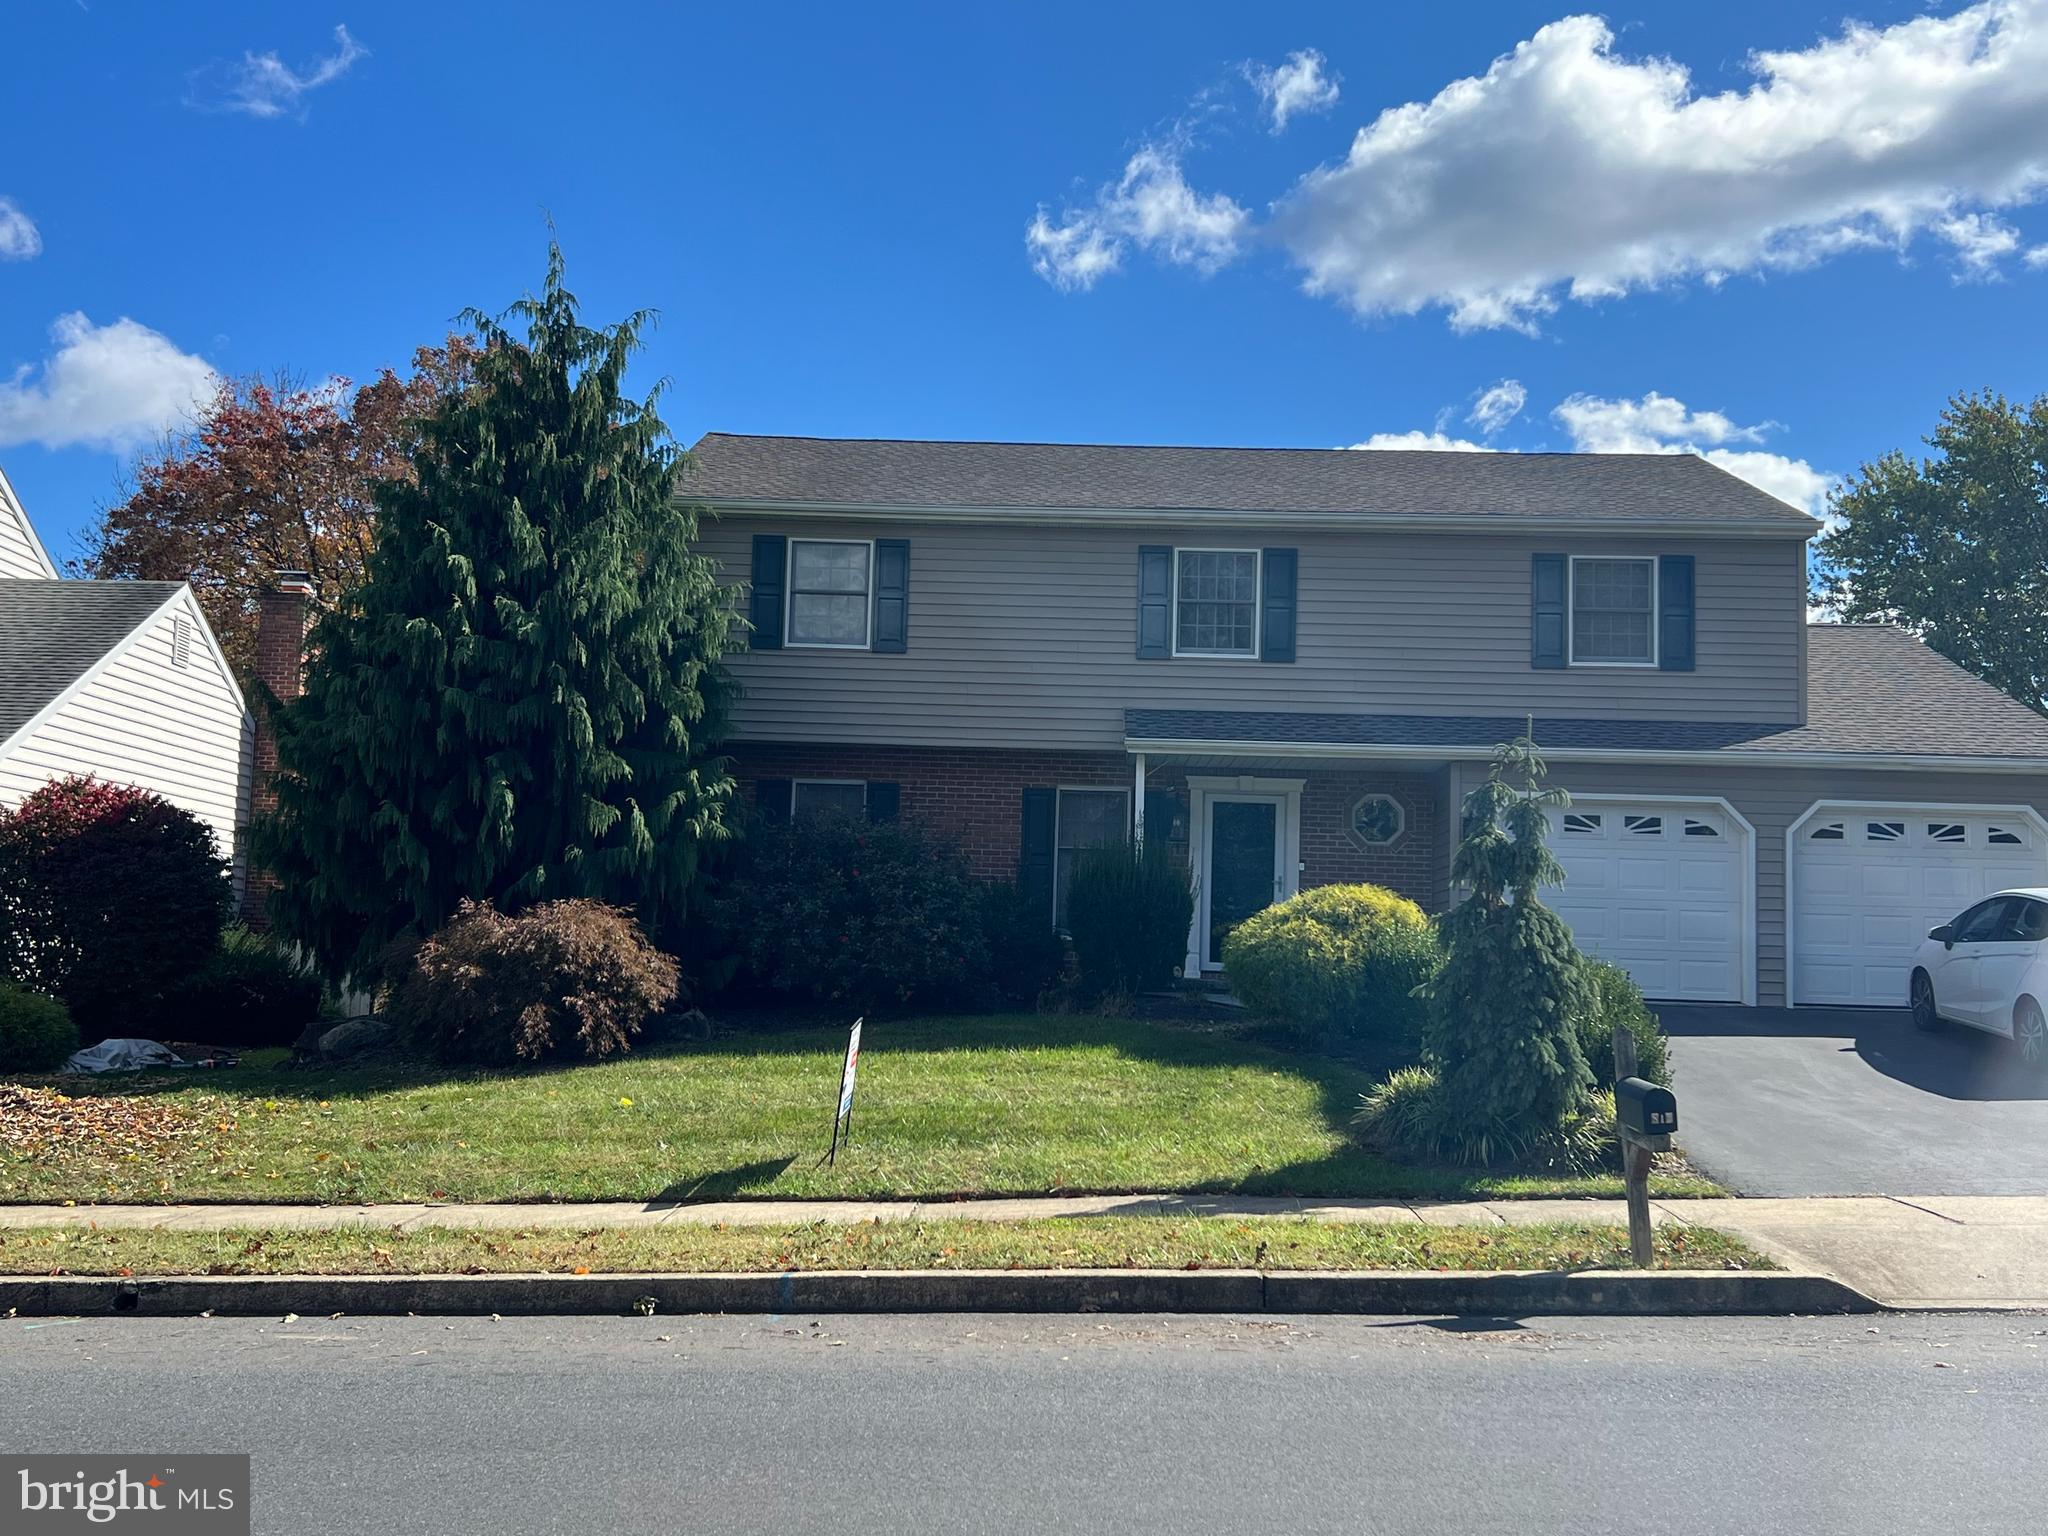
<point x="1138" y="802"/>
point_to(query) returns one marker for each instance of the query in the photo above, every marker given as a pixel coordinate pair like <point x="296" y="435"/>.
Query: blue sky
<point x="1746" y="228"/>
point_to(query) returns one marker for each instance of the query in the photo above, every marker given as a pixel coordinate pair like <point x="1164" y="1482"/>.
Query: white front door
<point x="1245" y="870"/>
<point x="1867" y="883"/>
<point x="1660" y="889"/>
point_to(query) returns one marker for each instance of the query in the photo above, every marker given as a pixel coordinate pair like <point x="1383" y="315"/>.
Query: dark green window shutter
<point x="1161" y="806"/>
<point x="892" y="595"/>
<point x="771" y="559"/>
<point x="1155" y="602"/>
<point x="1034" y="859"/>
<point x="1674" y="613"/>
<point x="771" y="799"/>
<point x="884" y="801"/>
<point x="1278" y="570"/>
<point x="1546" y="610"/>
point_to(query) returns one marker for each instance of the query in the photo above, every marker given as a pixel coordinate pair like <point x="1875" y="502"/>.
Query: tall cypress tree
<point x="524" y="698"/>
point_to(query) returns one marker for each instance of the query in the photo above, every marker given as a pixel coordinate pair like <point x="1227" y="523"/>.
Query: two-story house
<point x="1294" y="663"/>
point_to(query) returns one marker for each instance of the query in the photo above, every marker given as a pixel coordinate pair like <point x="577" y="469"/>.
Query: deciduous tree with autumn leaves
<point x="276" y="475"/>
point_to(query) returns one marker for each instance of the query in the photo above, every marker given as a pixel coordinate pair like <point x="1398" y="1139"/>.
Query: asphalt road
<point x="1009" y="1423"/>
<point x="1854" y="1101"/>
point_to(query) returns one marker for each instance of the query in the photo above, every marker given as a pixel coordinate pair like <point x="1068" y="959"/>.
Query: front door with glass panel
<point x="1243" y="874"/>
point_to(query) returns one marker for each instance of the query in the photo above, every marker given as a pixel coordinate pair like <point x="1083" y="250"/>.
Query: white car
<point x="1988" y="969"/>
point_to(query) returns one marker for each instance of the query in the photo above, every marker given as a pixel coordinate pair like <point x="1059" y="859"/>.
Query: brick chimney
<point x="283" y="614"/>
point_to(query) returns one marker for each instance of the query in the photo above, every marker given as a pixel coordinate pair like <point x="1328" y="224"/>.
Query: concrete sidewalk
<point x="1932" y="1252"/>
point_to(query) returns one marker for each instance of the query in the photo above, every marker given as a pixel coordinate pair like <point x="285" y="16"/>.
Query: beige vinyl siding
<point x="180" y="731"/>
<point x="1024" y="635"/>
<point x="20" y="560"/>
<point x="1772" y="799"/>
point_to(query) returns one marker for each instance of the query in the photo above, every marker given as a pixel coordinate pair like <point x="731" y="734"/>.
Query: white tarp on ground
<point x="123" y="1056"/>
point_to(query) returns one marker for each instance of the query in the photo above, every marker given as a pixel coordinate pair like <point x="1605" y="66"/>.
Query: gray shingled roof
<point x="729" y="469"/>
<point x="1870" y="689"/>
<point x="51" y="632"/>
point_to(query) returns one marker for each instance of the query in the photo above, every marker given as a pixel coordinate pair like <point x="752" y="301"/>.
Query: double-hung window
<point x="1084" y="819"/>
<point x="1216" y="602"/>
<point x="827" y="797"/>
<point x="1614" y="611"/>
<point x="829" y="584"/>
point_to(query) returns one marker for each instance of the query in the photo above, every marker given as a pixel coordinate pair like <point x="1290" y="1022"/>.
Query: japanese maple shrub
<point x="562" y="978"/>
<point x="110" y="897"/>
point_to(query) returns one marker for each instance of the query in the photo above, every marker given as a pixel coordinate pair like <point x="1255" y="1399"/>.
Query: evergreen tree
<point x="522" y="700"/>
<point x="1502" y="1009"/>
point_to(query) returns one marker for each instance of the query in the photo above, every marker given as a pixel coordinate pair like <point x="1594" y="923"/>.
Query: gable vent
<point x="181" y="643"/>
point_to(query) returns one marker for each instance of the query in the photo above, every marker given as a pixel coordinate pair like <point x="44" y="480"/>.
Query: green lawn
<point x="1128" y="1242"/>
<point x="947" y="1106"/>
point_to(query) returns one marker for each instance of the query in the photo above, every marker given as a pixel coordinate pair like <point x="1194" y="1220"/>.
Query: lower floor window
<point x="1086" y="818"/>
<point x="827" y="797"/>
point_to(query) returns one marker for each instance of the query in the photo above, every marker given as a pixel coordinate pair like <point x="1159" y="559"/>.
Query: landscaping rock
<point x="349" y="1039"/>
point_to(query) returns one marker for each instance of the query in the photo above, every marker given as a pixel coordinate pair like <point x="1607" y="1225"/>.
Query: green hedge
<point x="1616" y="999"/>
<point x="1340" y="963"/>
<point x="36" y="1032"/>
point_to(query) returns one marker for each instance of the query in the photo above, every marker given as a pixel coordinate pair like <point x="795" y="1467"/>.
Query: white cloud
<point x="1151" y="206"/>
<point x="1654" y="424"/>
<point x="1497" y="405"/>
<point x="19" y="237"/>
<point x="1567" y="170"/>
<point x="263" y="85"/>
<point x="2037" y="258"/>
<point x="1981" y="242"/>
<point x="1659" y="424"/>
<point x="1435" y="442"/>
<point x="104" y="386"/>
<point x="1297" y="86"/>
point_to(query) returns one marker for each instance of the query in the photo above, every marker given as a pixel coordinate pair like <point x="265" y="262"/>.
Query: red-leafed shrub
<point x="109" y="898"/>
<point x="561" y="978"/>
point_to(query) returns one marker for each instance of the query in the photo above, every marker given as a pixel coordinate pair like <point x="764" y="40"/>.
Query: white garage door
<point x="1868" y="883"/>
<point x="1659" y="890"/>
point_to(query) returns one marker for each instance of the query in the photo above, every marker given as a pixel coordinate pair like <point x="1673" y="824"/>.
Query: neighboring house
<point x="1293" y="664"/>
<point x="118" y="679"/>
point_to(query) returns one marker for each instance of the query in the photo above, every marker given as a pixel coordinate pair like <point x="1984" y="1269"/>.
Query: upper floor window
<point x="828" y="592"/>
<point x="1614" y="611"/>
<point x="1216" y="602"/>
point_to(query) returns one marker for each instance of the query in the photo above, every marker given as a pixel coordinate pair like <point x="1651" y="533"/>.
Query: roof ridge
<point x="1040" y="442"/>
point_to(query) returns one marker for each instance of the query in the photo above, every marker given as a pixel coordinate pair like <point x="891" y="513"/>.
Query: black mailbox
<point x="1645" y="1108"/>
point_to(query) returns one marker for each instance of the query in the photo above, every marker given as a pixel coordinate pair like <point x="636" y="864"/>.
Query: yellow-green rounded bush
<point x="1340" y="962"/>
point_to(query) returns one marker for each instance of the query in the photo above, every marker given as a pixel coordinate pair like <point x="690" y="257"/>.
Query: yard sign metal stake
<point x="842" y="1112"/>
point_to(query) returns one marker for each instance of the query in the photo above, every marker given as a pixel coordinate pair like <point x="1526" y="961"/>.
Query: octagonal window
<point x="1377" y="820"/>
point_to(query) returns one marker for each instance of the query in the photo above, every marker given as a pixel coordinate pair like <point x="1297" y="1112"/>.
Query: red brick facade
<point x="282" y="616"/>
<point x="976" y="797"/>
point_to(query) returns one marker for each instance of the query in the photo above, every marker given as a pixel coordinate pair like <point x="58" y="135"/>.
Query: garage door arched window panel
<point x="1377" y="821"/>
<point x="1674" y="908"/>
<point x="1867" y="880"/>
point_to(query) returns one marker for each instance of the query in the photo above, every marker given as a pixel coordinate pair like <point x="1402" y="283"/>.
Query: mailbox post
<point x="1645" y="1116"/>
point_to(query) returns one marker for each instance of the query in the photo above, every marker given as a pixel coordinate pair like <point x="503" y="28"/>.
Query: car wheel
<point x="2030" y="1033"/>
<point x="1925" y="1015"/>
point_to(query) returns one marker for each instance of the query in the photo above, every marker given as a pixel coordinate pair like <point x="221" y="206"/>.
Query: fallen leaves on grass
<point x="34" y="1121"/>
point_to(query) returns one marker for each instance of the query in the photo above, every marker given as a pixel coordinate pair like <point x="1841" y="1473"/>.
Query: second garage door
<point x="1868" y="882"/>
<point x="1659" y="888"/>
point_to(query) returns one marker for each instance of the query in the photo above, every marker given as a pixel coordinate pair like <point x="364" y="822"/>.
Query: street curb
<point x="1711" y="1293"/>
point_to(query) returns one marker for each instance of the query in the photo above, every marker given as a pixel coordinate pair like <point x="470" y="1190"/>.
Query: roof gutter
<point x="1140" y="517"/>
<point x="1735" y="757"/>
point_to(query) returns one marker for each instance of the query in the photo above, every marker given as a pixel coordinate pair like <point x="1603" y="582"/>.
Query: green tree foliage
<point x="1128" y="910"/>
<point x="521" y="703"/>
<point x="1955" y="547"/>
<point x="1503" y="1007"/>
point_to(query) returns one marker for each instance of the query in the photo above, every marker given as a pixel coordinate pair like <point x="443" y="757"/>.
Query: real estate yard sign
<point x="842" y="1114"/>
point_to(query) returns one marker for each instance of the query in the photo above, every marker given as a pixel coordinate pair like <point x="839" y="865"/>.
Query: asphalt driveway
<point x="1854" y="1101"/>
